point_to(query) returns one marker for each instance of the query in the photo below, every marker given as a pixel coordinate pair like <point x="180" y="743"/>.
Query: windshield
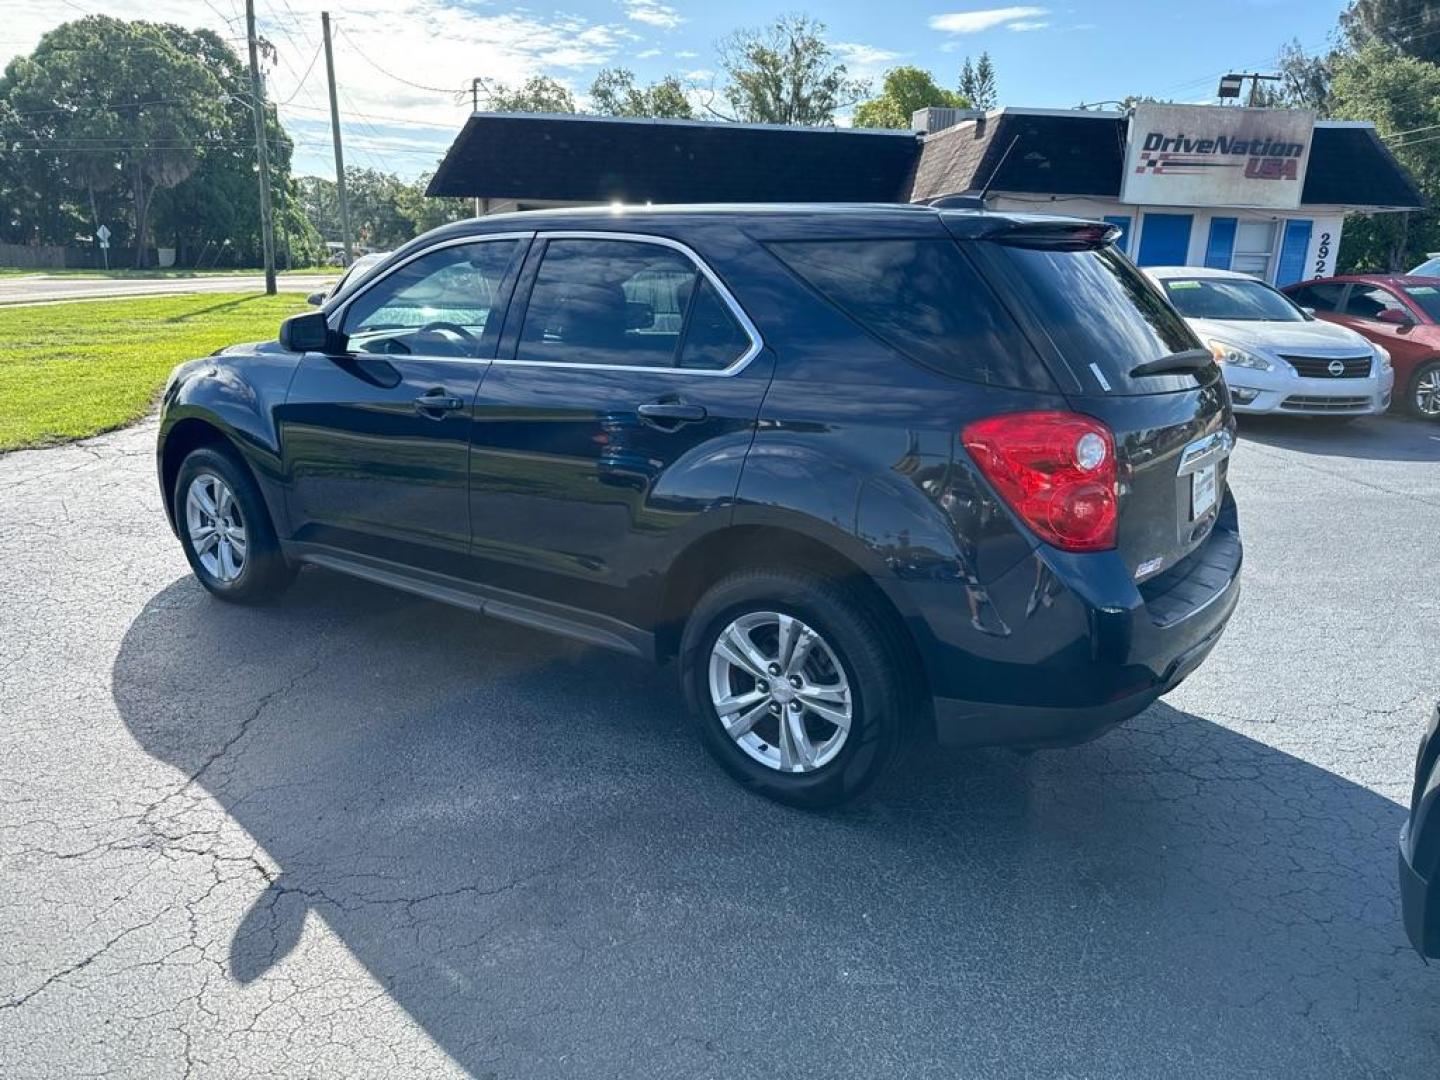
<point x="1427" y="297"/>
<point x="1429" y="268"/>
<point x="1230" y="298"/>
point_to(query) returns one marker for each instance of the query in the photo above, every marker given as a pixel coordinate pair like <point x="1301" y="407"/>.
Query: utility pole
<point x="262" y="153"/>
<point x="474" y="108"/>
<point x="335" y="136"/>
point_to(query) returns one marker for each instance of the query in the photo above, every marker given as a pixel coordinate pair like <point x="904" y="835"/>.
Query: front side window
<point x="437" y="305"/>
<point x="1372" y="302"/>
<point x="627" y="303"/>
<point x="1227" y="298"/>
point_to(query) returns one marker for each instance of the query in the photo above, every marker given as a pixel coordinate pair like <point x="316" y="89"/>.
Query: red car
<point x="1400" y="312"/>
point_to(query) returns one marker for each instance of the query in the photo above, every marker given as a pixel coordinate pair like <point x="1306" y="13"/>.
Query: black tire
<point x="1412" y="406"/>
<point x="882" y="683"/>
<point x="264" y="572"/>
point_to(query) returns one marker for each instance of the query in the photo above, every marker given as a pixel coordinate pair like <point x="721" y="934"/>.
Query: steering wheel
<point x="449" y="328"/>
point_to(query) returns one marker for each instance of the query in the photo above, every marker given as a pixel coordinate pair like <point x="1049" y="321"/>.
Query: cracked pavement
<point x="358" y="834"/>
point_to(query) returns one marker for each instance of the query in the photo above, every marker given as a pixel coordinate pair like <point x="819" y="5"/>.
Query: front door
<point x="376" y="440"/>
<point x="1382" y="316"/>
<point x="619" y="412"/>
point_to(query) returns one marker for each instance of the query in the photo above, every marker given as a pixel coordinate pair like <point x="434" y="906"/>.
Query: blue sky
<point x="403" y="65"/>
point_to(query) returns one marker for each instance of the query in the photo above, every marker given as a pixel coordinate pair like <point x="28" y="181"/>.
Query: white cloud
<point x="860" y="55"/>
<point x="1026" y="24"/>
<point x="699" y="75"/>
<point x="652" y="13"/>
<point x="686" y="54"/>
<point x="974" y="22"/>
<point x="401" y="118"/>
<point x="648" y="54"/>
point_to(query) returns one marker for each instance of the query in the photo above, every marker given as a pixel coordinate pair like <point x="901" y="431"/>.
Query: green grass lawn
<point x="72" y="370"/>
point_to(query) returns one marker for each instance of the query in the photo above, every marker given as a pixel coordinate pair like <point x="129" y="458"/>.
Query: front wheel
<point x="799" y="689"/>
<point x="1423" y="398"/>
<point x="225" y="529"/>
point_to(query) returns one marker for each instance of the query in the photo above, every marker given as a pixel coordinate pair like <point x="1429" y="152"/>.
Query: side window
<point x="714" y="339"/>
<point x="437" y="305"/>
<point x="614" y="302"/>
<point x="1369" y="301"/>
<point x="1324" y="297"/>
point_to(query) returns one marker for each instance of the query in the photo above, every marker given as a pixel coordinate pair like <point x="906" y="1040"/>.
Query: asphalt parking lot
<point x="358" y="834"/>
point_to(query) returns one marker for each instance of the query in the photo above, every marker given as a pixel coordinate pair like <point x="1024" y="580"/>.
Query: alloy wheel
<point x="780" y="692"/>
<point x="1427" y="393"/>
<point x="216" y="527"/>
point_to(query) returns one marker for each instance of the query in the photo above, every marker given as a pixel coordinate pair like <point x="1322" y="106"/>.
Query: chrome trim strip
<point x="757" y="343"/>
<point x="1203" y="452"/>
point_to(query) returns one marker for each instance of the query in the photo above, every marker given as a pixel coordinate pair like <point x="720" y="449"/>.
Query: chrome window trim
<point x="757" y="343"/>
<point x="336" y="319"/>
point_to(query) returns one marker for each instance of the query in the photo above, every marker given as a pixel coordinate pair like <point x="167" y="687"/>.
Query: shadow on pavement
<point x="1374" y="438"/>
<point x="523" y="843"/>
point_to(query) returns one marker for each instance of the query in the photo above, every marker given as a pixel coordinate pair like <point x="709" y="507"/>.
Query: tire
<point x="854" y="645"/>
<point x="255" y="569"/>
<point x="1428" y="372"/>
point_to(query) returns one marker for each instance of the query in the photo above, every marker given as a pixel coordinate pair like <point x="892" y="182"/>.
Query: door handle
<point x="670" y="415"/>
<point x="437" y="401"/>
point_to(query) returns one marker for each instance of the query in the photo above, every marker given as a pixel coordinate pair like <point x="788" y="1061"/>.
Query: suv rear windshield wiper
<point x="1188" y="360"/>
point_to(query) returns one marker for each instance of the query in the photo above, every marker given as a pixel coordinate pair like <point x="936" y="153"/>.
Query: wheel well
<point x="743" y="546"/>
<point x="188" y="435"/>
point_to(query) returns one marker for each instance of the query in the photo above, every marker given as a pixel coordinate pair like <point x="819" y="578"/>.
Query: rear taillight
<point x="1055" y="469"/>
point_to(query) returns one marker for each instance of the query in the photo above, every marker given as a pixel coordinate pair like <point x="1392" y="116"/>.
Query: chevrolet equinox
<point x="868" y="474"/>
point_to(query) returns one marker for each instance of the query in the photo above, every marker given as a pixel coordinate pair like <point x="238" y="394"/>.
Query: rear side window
<point x="1103" y="315"/>
<point x="924" y="299"/>
<point x="1319" y="297"/>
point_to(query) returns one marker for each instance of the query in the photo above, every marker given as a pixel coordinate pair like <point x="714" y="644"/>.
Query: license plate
<point x="1203" y="489"/>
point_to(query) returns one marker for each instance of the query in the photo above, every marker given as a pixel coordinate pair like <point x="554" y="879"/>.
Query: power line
<point x="390" y="74"/>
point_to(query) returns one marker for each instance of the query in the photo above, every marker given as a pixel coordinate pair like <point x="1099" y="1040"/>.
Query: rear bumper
<point x="1417" y="895"/>
<point x="1065" y="647"/>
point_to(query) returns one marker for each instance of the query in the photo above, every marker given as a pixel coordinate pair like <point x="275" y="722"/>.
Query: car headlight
<point x="1237" y="357"/>
<point x="1382" y="356"/>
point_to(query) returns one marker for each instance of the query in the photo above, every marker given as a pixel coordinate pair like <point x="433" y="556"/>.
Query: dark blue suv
<point x="868" y="473"/>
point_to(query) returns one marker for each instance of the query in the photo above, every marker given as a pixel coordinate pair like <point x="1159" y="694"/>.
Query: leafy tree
<point x="903" y="91"/>
<point x="786" y="74"/>
<point x="375" y="214"/>
<point x="115" y="103"/>
<point x="425" y="212"/>
<point x="977" y="82"/>
<point x="614" y="93"/>
<point x="1306" y="78"/>
<point x="1401" y="94"/>
<point x="538" y="94"/>
<point x="1409" y="26"/>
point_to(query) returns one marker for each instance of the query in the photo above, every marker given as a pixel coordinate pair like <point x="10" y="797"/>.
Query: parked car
<point x="1397" y="311"/>
<point x="353" y="275"/>
<point x="1420" y="848"/>
<point x="1430" y="267"/>
<point x="868" y="474"/>
<point x="1275" y="357"/>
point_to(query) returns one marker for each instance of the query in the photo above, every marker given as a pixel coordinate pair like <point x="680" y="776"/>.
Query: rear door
<point x="618" y="414"/>
<point x="376" y="439"/>
<point x="1097" y="319"/>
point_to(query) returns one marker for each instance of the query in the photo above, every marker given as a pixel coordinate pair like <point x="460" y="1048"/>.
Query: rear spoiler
<point x="1054" y="234"/>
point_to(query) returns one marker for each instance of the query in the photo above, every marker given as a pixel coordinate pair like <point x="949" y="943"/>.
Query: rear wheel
<point x="798" y="688"/>
<point x="1423" y="398"/>
<point x="226" y="530"/>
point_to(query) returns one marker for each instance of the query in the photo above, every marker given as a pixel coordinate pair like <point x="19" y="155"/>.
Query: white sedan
<point x="1277" y="358"/>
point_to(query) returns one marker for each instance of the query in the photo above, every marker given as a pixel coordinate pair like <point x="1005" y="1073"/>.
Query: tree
<point x="1305" y="78"/>
<point x="538" y="94"/>
<point x="614" y="93"/>
<point x="977" y="82"/>
<point x="1401" y="94"/>
<point x="1411" y="27"/>
<point x="115" y="103"/>
<point x="903" y="91"/>
<point x="425" y="212"/>
<point x="786" y="74"/>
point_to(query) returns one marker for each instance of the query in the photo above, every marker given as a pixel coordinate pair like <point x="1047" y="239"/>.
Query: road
<point x="357" y="834"/>
<point x="48" y="290"/>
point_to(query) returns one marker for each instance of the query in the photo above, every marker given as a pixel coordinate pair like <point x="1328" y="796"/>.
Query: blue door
<point x="1164" y="239"/>
<point x="1222" y="243"/>
<point x="1293" y="251"/>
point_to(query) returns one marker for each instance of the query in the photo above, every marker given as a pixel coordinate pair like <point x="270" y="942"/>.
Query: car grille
<point x="1311" y="403"/>
<point x="1318" y="367"/>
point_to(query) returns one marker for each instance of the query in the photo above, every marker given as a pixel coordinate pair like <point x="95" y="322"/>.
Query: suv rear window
<point x="1103" y="316"/>
<point x="924" y="299"/>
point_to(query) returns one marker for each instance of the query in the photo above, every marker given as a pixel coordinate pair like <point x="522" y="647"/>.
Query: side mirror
<point x="308" y="333"/>
<point x="1394" y="317"/>
<point x="315" y="299"/>
<point x="1308" y="312"/>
